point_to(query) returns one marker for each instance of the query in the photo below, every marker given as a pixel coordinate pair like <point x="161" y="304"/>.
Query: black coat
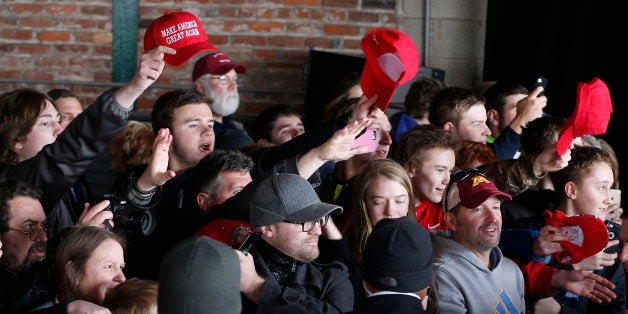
<point x="298" y="287"/>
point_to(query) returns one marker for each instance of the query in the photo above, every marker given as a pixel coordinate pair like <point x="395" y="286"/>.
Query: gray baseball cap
<point x="287" y="197"/>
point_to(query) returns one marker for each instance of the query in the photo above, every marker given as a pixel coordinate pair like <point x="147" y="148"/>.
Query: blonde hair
<point x="360" y="225"/>
<point x="134" y="296"/>
<point x="131" y="147"/>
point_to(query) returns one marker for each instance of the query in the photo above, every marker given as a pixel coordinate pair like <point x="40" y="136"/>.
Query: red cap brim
<point x="184" y="54"/>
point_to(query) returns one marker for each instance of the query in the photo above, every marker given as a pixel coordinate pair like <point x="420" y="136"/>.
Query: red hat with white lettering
<point x="181" y="31"/>
<point x="392" y="59"/>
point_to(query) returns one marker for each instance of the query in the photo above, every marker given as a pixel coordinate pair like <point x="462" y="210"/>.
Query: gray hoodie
<point x="465" y="284"/>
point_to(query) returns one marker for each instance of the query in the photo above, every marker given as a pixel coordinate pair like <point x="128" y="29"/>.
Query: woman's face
<point x="386" y="198"/>
<point x="103" y="271"/>
<point x="44" y="132"/>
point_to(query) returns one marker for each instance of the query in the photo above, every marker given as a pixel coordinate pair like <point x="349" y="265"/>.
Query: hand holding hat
<point x="591" y="115"/>
<point x="588" y="235"/>
<point x="148" y="71"/>
<point x="181" y="31"/>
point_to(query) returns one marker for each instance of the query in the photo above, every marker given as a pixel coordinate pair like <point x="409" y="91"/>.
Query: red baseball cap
<point x="591" y="115"/>
<point x="216" y="63"/>
<point x="231" y="232"/>
<point x="471" y="190"/>
<point x="181" y="31"/>
<point x="589" y="235"/>
<point x="392" y="59"/>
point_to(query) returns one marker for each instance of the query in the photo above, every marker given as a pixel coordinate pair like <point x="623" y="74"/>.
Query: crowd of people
<point x="445" y="211"/>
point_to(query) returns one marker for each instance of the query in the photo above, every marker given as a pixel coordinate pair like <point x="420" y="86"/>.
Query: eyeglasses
<point x="307" y="226"/>
<point x="225" y="80"/>
<point x="455" y="178"/>
<point x="34" y="234"/>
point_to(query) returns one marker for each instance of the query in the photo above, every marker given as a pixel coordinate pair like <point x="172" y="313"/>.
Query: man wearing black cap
<point x="396" y="267"/>
<point x="290" y="216"/>
<point x="473" y="275"/>
<point x="216" y="77"/>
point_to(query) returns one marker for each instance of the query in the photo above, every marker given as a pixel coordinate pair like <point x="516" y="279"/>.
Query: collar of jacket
<point x="279" y="264"/>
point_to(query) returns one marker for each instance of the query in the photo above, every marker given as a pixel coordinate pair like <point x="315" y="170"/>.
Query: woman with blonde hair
<point x="382" y="190"/>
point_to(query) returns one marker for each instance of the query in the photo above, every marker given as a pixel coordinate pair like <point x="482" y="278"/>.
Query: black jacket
<point x="57" y="167"/>
<point x="298" y="287"/>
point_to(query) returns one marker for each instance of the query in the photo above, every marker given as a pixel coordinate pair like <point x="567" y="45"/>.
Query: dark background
<point x="567" y="42"/>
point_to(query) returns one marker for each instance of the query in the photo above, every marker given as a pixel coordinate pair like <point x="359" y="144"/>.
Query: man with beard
<point x="473" y="275"/>
<point x="290" y="217"/>
<point x="26" y="276"/>
<point x="216" y="77"/>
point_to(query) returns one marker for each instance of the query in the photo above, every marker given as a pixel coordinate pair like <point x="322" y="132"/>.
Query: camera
<point x="130" y="218"/>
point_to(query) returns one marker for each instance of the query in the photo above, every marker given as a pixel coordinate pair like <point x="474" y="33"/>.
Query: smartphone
<point x="366" y="138"/>
<point x="540" y="81"/>
<point x="615" y="196"/>
<point x="249" y="242"/>
<point x="613" y="233"/>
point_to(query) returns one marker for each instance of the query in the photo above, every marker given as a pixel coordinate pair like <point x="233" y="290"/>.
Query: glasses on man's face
<point x="457" y="177"/>
<point x="225" y="79"/>
<point x="307" y="226"/>
<point x="33" y="233"/>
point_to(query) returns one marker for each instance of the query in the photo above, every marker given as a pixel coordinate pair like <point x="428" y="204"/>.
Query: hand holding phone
<point x="250" y="241"/>
<point x="540" y="81"/>
<point x="615" y="196"/>
<point x="366" y="138"/>
<point x="613" y="233"/>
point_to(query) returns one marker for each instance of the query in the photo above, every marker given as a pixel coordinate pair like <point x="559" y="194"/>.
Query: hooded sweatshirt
<point x="465" y="284"/>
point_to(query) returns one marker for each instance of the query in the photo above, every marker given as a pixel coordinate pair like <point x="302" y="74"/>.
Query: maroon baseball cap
<point x="591" y="115"/>
<point x="215" y="63"/>
<point x="181" y="31"/>
<point x="392" y="59"/>
<point x="470" y="189"/>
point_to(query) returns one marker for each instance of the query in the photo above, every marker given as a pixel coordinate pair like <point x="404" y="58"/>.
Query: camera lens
<point x="147" y="222"/>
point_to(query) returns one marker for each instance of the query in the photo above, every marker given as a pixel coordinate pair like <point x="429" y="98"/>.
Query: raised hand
<point x="157" y="172"/>
<point x="150" y="66"/>
<point x="614" y="213"/>
<point x="365" y="109"/>
<point x="338" y="147"/>
<point x="528" y="109"/>
<point x="549" y="160"/>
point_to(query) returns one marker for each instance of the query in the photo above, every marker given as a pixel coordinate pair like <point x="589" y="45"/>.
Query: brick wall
<point x="72" y="41"/>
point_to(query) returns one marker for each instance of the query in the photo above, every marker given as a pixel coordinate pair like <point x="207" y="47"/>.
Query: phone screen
<point x="250" y="241"/>
<point x="615" y="195"/>
<point x="367" y="138"/>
